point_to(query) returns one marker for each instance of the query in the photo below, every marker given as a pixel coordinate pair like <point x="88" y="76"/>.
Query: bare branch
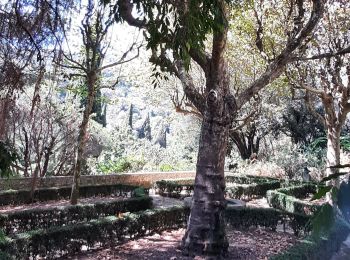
<point x="249" y="118"/>
<point x="122" y="59"/>
<point x="309" y="89"/>
<point x="323" y="55"/>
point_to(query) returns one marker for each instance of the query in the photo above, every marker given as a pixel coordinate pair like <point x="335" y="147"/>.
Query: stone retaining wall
<point x="141" y="179"/>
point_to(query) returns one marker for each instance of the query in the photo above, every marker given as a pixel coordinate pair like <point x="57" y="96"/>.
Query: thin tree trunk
<point x="34" y="182"/>
<point x="26" y="154"/>
<point x="47" y="156"/>
<point x="82" y="139"/>
<point x="333" y="150"/>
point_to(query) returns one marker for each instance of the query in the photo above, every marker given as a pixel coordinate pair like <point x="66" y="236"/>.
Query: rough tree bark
<point x="334" y="122"/>
<point x="205" y="232"/>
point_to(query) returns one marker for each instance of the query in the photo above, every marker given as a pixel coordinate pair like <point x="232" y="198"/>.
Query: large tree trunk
<point x="82" y="140"/>
<point x="205" y="234"/>
<point x="206" y="228"/>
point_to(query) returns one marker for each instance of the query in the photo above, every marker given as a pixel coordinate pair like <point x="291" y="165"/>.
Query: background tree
<point x="94" y="32"/>
<point x="327" y="80"/>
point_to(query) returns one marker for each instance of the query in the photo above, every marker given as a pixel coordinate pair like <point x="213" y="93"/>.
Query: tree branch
<point x="201" y="58"/>
<point x="189" y="88"/>
<point x="313" y="111"/>
<point x="323" y="55"/>
<point x="275" y="69"/>
<point x="122" y="59"/>
<point x="125" y="10"/>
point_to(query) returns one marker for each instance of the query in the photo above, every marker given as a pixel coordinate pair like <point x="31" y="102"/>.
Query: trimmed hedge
<point x="250" y="191"/>
<point x="246" y="186"/>
<point x="31" y="219"/>
<point x="60" y="241"/>
<point x="244" y="218"/>
<point x="317" y="248"/>
<point x="173" y="188"/>
<point x="289" y="199"/>
<point x="17" y="197"/>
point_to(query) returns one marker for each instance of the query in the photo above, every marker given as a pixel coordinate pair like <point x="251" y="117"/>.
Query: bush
<point x="120" y="165"/>
<point x="288" y="199"/>
<point x="317" y="247"/>
<point x="23" y="196"/>
<point x="250" y="191"/>
<point x="22" y="221"/>
<point x="166" y="168"/>
<point x="245" y="218"/>
<point x="173" y="188"/>
<point x="245" y="186"/>
<point x="59" y="241"/>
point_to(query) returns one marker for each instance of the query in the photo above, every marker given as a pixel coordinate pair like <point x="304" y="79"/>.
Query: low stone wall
<point x="145" y="179"/>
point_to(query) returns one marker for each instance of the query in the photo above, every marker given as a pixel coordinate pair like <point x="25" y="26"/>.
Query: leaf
<point x="333" y="176"/>
<point x="322" y="191"/>
<point x="323" y="220"/>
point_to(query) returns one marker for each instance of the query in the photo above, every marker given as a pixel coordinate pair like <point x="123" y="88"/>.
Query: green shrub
<point x="26" y="220"/>
<point x="166" y="168"/>
<point x="314" y="247"/>
<point x="173" y="188"/>
<point x="245" y="218"/>
<point x="250" y="191"/>
<point x="7" y="156"/>
<point x="289" y="199"/>
<point x="245" y="186"/>
<point x="58" y="241"/>
<point x="120" y="165"/>
<point x="16" y="197"/>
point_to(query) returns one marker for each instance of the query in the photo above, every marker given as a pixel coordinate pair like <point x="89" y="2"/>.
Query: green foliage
<point x="7" y="156"/>
<point x="345" y="143"/>
<point x="17" y="197"/>
<point x="69" y="239"/>
<point x="252" y="190"/>
<point x="166" y="168"/>
<point x="23" y="221"/>
<point x="173" y="188"/>
<point x="237" y="186"/>
<point x="322" y="191"/>
<point x="289" y="199"/>
<point x="170" y="29"/>
<point x="2" y="235"/>
<point x="321" y="142"/>
<point x="245" y="218"/>
<point x="321" y="247"/>
<point x="323" y="220"/>
<point x="140" y="192"/>
<point x="122" y="164"/>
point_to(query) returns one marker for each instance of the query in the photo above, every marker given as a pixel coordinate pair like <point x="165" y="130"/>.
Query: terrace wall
<point x="145" y="179"/>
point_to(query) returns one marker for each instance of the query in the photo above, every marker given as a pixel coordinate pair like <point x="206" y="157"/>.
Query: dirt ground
<point x="247" y="245"/>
